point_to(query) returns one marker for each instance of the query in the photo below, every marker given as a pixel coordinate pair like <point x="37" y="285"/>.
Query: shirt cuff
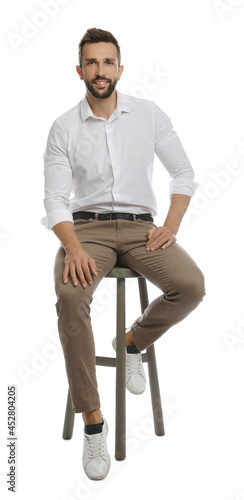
<point x="56" y="216"/>
<point x="183" y="186"/>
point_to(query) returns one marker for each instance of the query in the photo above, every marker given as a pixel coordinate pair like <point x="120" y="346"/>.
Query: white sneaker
<point x="135" y="379"/>
<point x="96" y="459"/>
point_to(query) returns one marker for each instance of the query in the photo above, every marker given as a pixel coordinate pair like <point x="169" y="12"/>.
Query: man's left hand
<point x="160" y="237"/>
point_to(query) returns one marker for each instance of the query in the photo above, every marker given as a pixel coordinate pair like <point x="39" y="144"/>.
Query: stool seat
<point x="119" y="362"/>
<point x="122" y="272"/>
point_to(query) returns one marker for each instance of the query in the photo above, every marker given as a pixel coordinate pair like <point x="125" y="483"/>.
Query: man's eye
<point x="109" y="62"/>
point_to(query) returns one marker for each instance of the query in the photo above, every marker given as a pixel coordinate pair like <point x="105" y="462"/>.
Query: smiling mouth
<point x="101" y="83"/>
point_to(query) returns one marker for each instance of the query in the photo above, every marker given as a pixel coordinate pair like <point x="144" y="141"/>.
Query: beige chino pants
<point x="172" y="270"/>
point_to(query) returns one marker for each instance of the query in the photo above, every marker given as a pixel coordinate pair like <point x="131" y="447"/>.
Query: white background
<point x="195" y="49"/>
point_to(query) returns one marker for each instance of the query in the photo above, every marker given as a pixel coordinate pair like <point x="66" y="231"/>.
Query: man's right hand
<point x="79" y="265"/>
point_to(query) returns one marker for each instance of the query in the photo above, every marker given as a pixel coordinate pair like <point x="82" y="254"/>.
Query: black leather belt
<point x="111" y="216"/>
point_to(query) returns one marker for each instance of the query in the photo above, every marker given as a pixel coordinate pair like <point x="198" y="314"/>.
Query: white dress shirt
<point x="98" y="165"/>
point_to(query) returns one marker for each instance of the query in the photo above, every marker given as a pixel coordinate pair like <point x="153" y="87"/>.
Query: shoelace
<point x="95" y="445"/>
<point x="133" y="363"/>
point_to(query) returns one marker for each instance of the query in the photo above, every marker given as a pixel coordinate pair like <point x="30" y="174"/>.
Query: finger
<point x="162" y="241"/>
<point x="81" y="277"/>
<point x="65" y="273"/>
<point x="73" y="275"/>
<point x="168" y="244"/>
<point x="153" y="237"/>
<point x="157" y="242"/>
<point x="93" y="267"/>
<point x="150" y="232"/>
<point x="87" y="273"/>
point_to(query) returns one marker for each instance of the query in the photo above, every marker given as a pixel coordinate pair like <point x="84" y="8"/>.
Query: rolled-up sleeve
<point x="172" y="155"/>
<point x="58" y="178"/>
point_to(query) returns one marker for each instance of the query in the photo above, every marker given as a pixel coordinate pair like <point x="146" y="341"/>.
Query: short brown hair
<point x="94" y="35"/>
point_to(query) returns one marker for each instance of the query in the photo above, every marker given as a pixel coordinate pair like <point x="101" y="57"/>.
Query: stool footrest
<point x="144" y="358"/>
<point x="105" y="361"/>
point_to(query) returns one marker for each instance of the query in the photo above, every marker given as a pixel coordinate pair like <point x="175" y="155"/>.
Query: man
<point x="99" y="202"/>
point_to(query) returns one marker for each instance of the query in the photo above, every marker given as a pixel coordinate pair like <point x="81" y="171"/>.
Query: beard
<point x="97" y="93"/>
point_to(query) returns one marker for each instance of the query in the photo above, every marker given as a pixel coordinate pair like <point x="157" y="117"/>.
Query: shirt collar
<point x="124" y="103"/>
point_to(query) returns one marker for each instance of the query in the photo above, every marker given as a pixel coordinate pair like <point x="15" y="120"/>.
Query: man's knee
<point x="74" y="300"/>
<point x="194" y="286"/>
<point x="73" y="310"/>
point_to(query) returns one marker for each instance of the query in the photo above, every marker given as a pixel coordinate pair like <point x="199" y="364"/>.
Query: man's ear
<point x="79" y="71"/>
<point x="120" y="71"/>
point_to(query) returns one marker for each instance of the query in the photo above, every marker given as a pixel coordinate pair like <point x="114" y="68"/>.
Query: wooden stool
<point x="121" y="273"/>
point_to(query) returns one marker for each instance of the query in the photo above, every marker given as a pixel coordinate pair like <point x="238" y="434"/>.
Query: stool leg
<point x="120" y="419"/>
<point x="69" y="419"/>
<point x="152" y="369"/>
<point x="155" y="392"/>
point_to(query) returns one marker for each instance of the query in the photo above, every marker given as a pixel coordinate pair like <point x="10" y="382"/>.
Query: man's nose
<point x="100" y="69"/>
